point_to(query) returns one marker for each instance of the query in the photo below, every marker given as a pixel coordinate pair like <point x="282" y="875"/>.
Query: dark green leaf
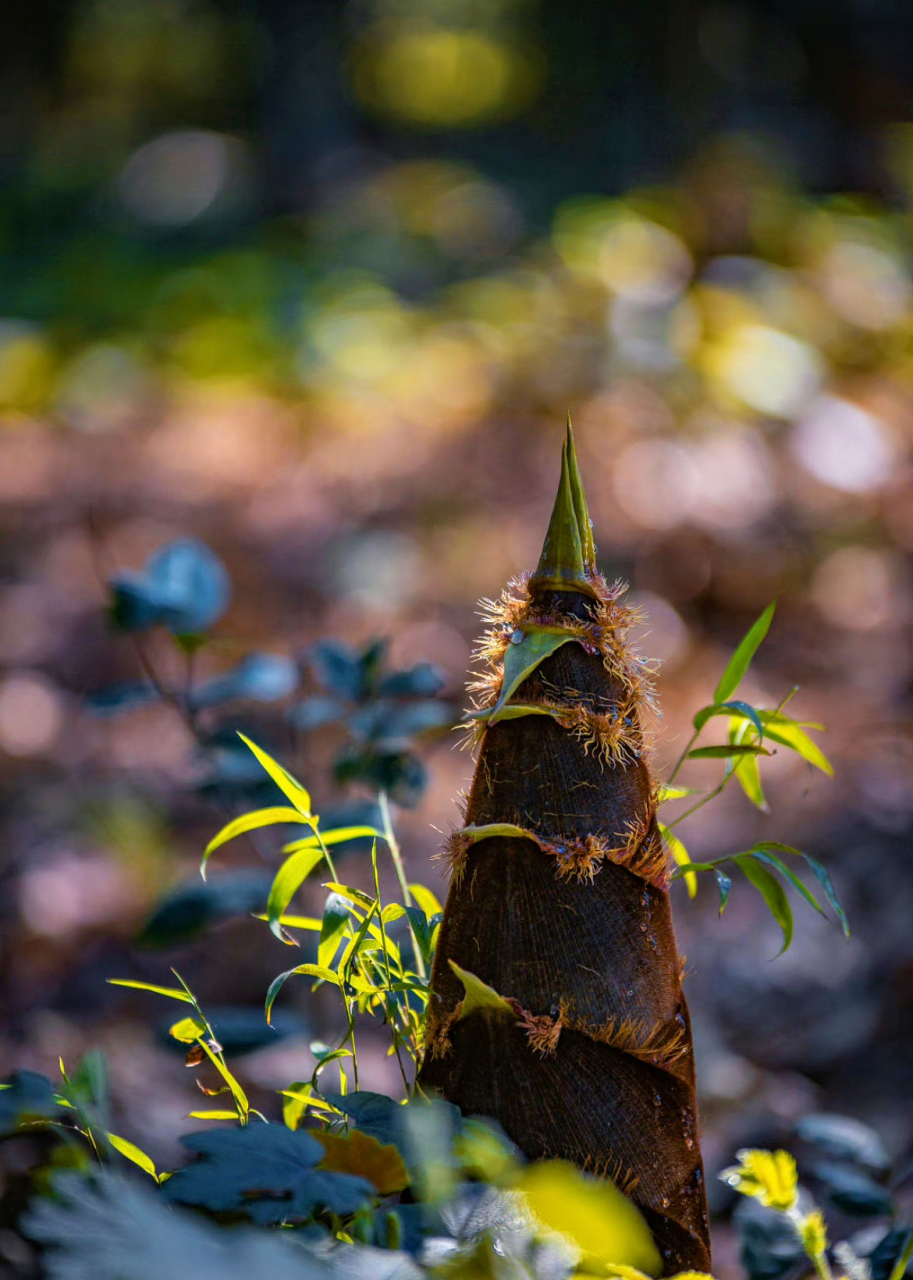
<point x="195" y="905"/>
<point x="724" y="752"/>
<point x="739" y="662"/>
<point x="743" y="709"/>
<point x="853" y="1191"/>
<point x="773" y="894"/>
<point x="262" y="677"/>
<point x="424" y="680"/>
<point x="333" y="927"/>
<point x="266" y="1171"/>
<point x="764" y="855"/>
<point x="121" y="697"/>
<point x="823" y="878"/>
<point x="846" y="1138"/>
<point x="25" y="1098"/>
<point x="724" y="884"/>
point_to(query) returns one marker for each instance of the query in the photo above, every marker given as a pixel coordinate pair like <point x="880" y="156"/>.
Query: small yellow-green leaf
<point x="313" y="970"/>
<point x="237" y="1093"/>
<point x="212" y="1115"/>
<point x="187" y="1030"/>
<point x="337" y="836"/>
<point x="814" y="1234"/>
<point x="425" y="899"/>
<point x="790" y="734"/>
<point x="290" y="787"/>
<point x="133" y="1153"/>
<point x="681" y="856"/>
<point x="667" y="793"/>
<point x="770" y="1176"/>
<point x="353" y="895"/>
<point x="479" y="997"/>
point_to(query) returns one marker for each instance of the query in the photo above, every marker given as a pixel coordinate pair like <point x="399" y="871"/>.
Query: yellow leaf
<point x="187" y="1030"/>
<point x="814" y="1234"/>
<point x="364" y="1156"/>
<point x="133" y="1153"/>
<point x="603" y="1224"/>
<point x="479" y="995"/>
<point x="768" y="1175"/>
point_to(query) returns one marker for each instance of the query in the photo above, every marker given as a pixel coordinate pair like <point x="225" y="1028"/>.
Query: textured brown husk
<point x="594" y="1063"/>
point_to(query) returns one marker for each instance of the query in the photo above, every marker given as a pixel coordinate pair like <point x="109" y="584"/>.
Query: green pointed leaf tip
<point x="568" y="555"/>
<point x="479" y="997"/>
<point x="522" y="658"/>
<point x="739" y="662"/>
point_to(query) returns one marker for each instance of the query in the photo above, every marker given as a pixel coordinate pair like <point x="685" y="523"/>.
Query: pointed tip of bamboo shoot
<point x="568" y="559"/>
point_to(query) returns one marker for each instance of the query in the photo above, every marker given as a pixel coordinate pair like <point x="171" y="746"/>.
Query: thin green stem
<point x="700" y="804"/>
<point x="396" y="855"/>
<point x="388" y="995"/>
<point x="683" y="757"/>
<point x="900" y="1266"/>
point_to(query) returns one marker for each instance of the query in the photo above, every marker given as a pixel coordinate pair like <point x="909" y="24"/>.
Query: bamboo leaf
<point x="134" y="1154"/>
<point x="725" y="752"/>
<point x="680" y="854"/>
<point x="724" y="884"/>
<point x="821" y="875"/>
<point x="337" y="836"/>
<point x="792" y="735"/>
<point x="313" y="970"/>
<point x="739" y="662"/>
<point x="173" y="993"/>
<point x="355" y="896"/>
<point x="764" y="855"/>
<point x="188" y="1030"/>
<point x="773" y="894"/>
<point x="212" y="1115"/>
<point x="237" y="1093"/>
<point x="426" y="900"/>
<point x="289" y="786"/>
<point x="248" y="822"/>
<point x="289" y="878"/>
<point x="743" y="709"/>
<point x="667" y="793"/>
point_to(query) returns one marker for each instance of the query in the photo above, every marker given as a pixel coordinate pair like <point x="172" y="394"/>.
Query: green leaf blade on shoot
<point x="426" y="900"/>
<point x="724" y="752"/>
<point x="820" y="873"/>
<point x="188" y="1030"/>
<point x="665" y="794"/>
<point x="522" y="659"/>
<point x="773" y="894"/>
<point x="311" y="970"/>
<point x="130" y="1151"/>
<point x="212" y="1115"/>
<point x="743" y="709"/>
<point x="333" y="927"/>
<point x="680" y="854"/>
<point x="747" y="772"/>
<point x="792" y="735"/>
<point x="173" y="993"/>
<point x="290" y="787"/>
<point x="289" y="879"/>
<point x="764" y="855"/>
<point x="239" y="1097"/>
<point x="724" y="885"/>
<point x="337" y="836"/>
<point x="740" y="661"/>
<point x="249" y="822"/>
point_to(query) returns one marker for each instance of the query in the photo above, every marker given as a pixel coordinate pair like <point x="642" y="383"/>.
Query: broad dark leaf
<point x="262" y="677"/>
<point x="191" y="584"/>
<point x="195" y="904"/>
<point x="845" y="1138"/>
<point x="424" y="680"/>
<point x="240" y="1030"/>
<point x="338" y="669"/>
<point x="771" y="1247"/>
<point x="853" y="1190"/>
<point x="390" y="725"/>
<point x="121" y="697"/>
<point x="400" y="774"/>
<point x="314" y="713"/>
<point x="28" y="1097"/>
<point x="266" y="1171"/>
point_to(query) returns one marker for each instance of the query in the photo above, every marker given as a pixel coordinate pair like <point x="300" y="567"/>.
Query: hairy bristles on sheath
<point x="661" y="1045"/>
<point x="455" y="852"/>
<point x="542" y="1031"/>
<point x="611" y="1170"/>
<point x="604" y="633"/>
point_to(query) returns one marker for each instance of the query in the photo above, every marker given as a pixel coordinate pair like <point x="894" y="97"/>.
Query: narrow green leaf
<point x="133" y="1153"/>
<point x="724" y="752"/>
<point x="765" y="855"/>
<point x="773" y="894"/>
<point x="354" y="895"/>
<point x="724" y="884"/>
<point x="739" y="662"/>
<point x="289" y="786"/>
<point x="426" y="900"/>
<point x="333" y="926"/>
<point x="744" y="709"/>
<point x="337" y="836"/>
<point x="794" y="737"/>
<point x="392" y="911"/>
<point x="212" y="1115"/>
<point x="348" y="956"/>
<point x="821" y="874"/>
<point x="173" y="993"/>
<point x="514" y="711"/>
<point x="680" y="854"/>
<point x="237" y="1093"/>
<point x="313" y="970"/>
<point x="521" y="659"/>
<point x="289" y="878"/>
<point x="490" y="829"/>
<point x="675" y="793"/>
<point x="248" y="822"/>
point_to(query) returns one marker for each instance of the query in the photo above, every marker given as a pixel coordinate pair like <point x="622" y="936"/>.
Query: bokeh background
<point x="317" y="283"/>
